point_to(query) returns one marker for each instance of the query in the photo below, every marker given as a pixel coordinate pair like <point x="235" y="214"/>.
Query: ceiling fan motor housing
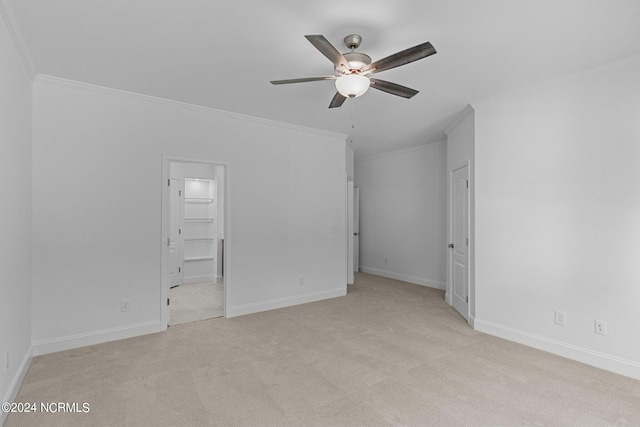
<point x="357" y="60"/>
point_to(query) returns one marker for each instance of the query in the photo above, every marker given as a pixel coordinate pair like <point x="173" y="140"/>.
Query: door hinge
<point x="467" y="241"/>
<point x="179" y="193"/>
<point x="168" y="241"/>
<point x="467" y="299"/>
<point x="169" y="182"/>
<point x="179" y="269"/>
<point x="180" y="231"/>
<point x="467" y="184"/>
<point x="168" y="301"/>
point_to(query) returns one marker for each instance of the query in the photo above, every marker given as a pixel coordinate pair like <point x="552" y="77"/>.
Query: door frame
<point x="470" y="230"/>
<point x="165" y="225"/>
<point x="179" y="243"/>
<point x="356" y="229"/>
<point x="350" y="272"/>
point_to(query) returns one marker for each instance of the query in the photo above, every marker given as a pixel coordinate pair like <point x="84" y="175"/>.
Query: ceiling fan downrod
<point x="353" y="41"/>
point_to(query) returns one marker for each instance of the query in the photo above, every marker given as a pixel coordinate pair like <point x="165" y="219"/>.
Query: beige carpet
<point x="193" y="302"/>
<point x="389" y="353"/>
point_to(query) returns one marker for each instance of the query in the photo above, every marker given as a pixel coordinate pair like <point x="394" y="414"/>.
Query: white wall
<point x="460" y="151"/>
<point x="15" y="215"/>
<point x="403" y="214"/>
<point x="558" y="216"/>
<point x="97" y="162"/>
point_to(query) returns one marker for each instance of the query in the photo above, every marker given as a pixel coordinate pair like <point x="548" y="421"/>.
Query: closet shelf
<point x="198" y="200"/>
<point x="199" y="258"/>
<point x="198" y="220"/>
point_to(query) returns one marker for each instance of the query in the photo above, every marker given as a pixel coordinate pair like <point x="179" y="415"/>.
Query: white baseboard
<point x="405" y="278"/>
<point x="273" y="304"/>
<point x="604" y="361"/>
<point x="97" y="337"/>
<point x="472" y="321"/>
<point x="189" y="280"/>
<point x="12" y="392"/>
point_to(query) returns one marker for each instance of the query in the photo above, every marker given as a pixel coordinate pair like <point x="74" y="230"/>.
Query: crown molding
<point x="350" y="144"/>
<point x="186" y="106"/>
<point x="9" y="18"/>
<point x="578" y="76"/>
<point x="466" y="111"/>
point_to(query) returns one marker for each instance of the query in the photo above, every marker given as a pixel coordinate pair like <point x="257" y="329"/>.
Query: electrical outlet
<point x="124" y="305"/>
<point x="560" y="318"/>
<point x="301" y="281"/>
<point x="599" y="327"/>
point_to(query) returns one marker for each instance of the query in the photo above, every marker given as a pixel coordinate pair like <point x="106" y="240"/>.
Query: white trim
<point x="96" y="337"/>
<point x="164" y="276"/>
<point x="472" y="321"/>
<point x="349" y="142"/>
<point x="187" y="106"/>
<point x="346" y="227"/>
<point x="630" y="61"/>
<point x="436" y="284"/>
<point x="7" y="14"/>
<point x="401" y="151"/>
<point x="594" y="358"/>
<point x="273" y="304"/>
<point x="15" y="384"/>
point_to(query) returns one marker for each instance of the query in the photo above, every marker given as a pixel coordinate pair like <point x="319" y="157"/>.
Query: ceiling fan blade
<point x="328" y="50"/>
<point x="393" y="88"/>
<point x="302" y="80"/>
<point x="337" y="100"/>
<point x="401" y="58"/>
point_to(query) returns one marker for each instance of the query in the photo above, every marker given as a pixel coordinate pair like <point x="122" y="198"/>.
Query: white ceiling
<point x="223" y="53"/>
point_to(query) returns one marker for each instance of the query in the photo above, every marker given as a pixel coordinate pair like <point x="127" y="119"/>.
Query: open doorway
<point x="193" y="220"/>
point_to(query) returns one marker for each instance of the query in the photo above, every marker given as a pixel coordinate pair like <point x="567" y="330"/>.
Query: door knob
<point x="450" y="245"/>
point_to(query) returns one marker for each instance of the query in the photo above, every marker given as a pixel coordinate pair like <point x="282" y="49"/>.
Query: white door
<point x="175" y="246"/>
<point x="460" y="240"/>
<point x="356" y="229"/>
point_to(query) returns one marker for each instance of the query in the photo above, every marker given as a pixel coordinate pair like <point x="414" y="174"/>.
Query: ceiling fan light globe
<point x="352" y="85"/>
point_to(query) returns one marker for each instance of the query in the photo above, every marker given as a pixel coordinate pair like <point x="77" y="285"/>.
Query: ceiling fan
<point x="352" y="69"/>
